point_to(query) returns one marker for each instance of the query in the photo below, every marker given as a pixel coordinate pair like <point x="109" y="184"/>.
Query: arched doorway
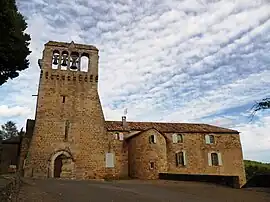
<point x="58" y="163"/>
<point x="61" y="165"/>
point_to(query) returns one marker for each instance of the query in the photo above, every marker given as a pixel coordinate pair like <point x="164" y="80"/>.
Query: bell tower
<point x="69" y="121"/>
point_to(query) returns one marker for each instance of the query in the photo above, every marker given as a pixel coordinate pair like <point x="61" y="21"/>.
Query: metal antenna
<point x="125" y="111"/>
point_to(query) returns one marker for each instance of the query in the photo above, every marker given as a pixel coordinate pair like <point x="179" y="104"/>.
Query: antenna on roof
<point x="125" y="111"/>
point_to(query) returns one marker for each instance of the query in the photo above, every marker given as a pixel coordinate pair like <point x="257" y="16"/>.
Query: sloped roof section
<point x="168" y="127"/>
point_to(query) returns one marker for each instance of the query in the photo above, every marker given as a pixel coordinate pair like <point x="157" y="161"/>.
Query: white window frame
<point x="219" y="158"/>
<point x="174" y="138"/>
<point x="150" y="166"/>
<point x="207" y="139"/>
<point x="184" y="158"/>
<point x="154" y="139"/>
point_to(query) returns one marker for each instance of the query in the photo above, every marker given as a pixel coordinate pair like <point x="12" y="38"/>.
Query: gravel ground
<point x="51" y="190"/>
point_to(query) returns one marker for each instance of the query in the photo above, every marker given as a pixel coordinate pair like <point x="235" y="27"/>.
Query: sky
<point x="201" y="61"/>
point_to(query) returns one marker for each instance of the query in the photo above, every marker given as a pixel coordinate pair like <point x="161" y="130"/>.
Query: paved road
<point x="51" y="190"/>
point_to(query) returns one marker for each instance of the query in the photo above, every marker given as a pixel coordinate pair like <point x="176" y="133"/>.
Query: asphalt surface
<point x="51" y="190"/>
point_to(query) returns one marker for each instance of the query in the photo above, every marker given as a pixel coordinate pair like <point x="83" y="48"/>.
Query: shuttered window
<point x="109" y="160"/>
<point x="214" y="159"/>
<point x="180" y="158"/>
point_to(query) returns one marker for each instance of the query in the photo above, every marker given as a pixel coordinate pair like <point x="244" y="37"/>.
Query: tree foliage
<point x="258" y="106"/>
<point x="9" y="130"/>
<point x="254" y="167"/>
<point x="13" y="41"/>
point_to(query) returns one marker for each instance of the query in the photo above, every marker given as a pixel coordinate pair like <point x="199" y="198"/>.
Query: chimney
<point x="124" y="122"/>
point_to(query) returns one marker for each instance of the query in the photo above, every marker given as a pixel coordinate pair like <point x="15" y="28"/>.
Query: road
<point x="51" y="190"/>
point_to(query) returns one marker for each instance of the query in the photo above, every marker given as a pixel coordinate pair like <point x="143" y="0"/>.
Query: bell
<point x="73" y="63"/>
<point x="55" y="59"/>
<point x="64" y="62"/>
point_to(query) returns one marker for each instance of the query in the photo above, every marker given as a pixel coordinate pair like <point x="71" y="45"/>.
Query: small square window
<point x="152" y="139"/>
<point x="152" y="165"/>
<point x="209" y="139"/>
<point x="63" y="99"/>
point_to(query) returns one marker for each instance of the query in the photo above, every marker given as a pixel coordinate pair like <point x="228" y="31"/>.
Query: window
<point x="152" y="139"/>
<point x="152" y="165"/>
<point x="67" y="124"/>
<point x="209" y="139"/>
<point x="119" y="136"/>
<point x="177" y="138"/>
<point x="180" y="158"/>
<point x="63" y="99"/>
<point x="214" y="159"/>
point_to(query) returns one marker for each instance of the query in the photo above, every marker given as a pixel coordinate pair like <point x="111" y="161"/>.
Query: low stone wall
<point x="231" y="181"/>
<point x="9" y="187"/>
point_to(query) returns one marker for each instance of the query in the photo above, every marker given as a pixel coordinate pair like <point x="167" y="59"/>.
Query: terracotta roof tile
<point x="168" y="127"/>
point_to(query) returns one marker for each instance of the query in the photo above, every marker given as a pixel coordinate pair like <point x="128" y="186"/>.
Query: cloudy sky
<point x="165" y="60"/>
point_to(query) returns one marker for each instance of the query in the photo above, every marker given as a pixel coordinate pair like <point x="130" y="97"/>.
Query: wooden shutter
<point x="155" y="138"/>
<point x="116" y="136"/>
<point x="109" y="160"/>
<point x="177" y="159"/>
<point x="121" y="136"/>
<point x="209" y="159"/>
<point x="174" y="138"/>
<point x="219" y="159"/>
<point x="207" y="139"/>
<point x="185" y="159"/>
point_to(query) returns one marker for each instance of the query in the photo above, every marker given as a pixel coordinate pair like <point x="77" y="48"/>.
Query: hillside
<point x="254" y="167"/>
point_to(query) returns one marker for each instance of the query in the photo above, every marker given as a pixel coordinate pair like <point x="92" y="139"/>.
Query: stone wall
<point x="86" y="138"/>
<point x="120" y="150"/>
<point x="142" y="154"/>
<point x="228" y="145"/>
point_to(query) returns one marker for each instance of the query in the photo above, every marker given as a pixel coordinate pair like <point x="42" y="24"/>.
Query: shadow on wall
<point x="231" y="181"/>
<point x="258" y="180"/>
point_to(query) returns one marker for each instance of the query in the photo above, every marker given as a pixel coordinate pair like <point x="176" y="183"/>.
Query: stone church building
<point x="70" y="137"/>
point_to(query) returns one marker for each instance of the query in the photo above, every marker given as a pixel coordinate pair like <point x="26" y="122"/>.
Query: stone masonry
<point x="70" y="124"/>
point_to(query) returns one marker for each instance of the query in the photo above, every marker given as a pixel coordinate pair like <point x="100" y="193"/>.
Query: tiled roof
<point x="168" y="127"/>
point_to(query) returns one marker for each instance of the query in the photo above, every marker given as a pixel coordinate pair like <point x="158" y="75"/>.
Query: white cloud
<point x="162" y="59"/>
<point x="6" y="111"/>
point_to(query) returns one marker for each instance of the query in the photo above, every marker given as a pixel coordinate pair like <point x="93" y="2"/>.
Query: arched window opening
<point x="74" y="61"/>
<point x="84" y="66"/>
<point x="179" y="138"/>
<point x="64" y="60"/>
<point x="214" y="159"/>
<point x="55" y="59"/>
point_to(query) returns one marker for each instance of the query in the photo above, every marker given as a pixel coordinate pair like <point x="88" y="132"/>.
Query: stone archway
<point x="62" y="165"/>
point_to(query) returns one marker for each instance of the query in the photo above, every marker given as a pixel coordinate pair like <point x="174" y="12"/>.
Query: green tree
<point x="13" y="41"/>
<point x="253" y="167"/>
<point x="9" y="130"/>
<point x="262" y="105"/>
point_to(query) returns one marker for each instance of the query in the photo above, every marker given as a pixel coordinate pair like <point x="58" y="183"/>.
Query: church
<point x="70" y="138"/>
